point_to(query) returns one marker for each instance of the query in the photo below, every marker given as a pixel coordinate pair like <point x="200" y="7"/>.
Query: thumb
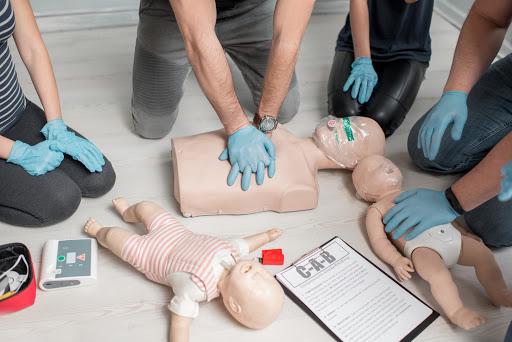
<point x="224" y="155"/>
<point x="458" y="126"/>
<point x="55" y="146"/>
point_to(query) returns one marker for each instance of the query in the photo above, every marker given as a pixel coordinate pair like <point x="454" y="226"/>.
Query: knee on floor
<point x="99" y="183"/>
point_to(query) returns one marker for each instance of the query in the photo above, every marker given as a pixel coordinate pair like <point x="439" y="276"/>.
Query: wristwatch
<point x="266" y="124"/>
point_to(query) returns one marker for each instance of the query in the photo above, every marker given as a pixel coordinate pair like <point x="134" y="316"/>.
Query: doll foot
<point x="92" y="227"/>
<point x="467" y="319"/>
<point x="273" y="234"/>
<point x="121" y="204"/>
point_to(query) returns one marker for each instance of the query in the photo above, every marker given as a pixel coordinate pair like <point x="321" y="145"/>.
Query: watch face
<point x="267" y="124"/>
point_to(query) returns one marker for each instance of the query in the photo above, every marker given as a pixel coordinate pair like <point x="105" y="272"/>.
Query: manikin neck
<point x="316" y="157"/>
<point x="390" y="195"/>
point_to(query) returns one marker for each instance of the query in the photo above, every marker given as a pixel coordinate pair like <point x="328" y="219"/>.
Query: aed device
<point x="68" y="263"/>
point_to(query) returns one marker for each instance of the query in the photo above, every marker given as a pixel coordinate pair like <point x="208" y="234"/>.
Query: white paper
<point x="352" y="297"/>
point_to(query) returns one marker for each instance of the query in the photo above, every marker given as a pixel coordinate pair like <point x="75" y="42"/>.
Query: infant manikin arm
<point x="379" y="241"/>
<point x="180" y="328"/>
<point x="256" y="241"/>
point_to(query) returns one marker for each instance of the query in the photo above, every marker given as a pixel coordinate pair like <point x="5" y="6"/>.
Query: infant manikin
<point x="378" y="180"/>
<point x="197" y="267"/>
<point x="200" y="178"/>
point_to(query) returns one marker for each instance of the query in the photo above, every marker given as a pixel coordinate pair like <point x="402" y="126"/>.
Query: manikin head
<point x="348" y="140"/>
<point x="375" y="177"/>
<point x="251" y="294"/>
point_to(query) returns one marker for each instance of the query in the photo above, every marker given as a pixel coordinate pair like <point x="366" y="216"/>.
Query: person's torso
<point x="12" y="100"/>
<point x="397" y="30"/>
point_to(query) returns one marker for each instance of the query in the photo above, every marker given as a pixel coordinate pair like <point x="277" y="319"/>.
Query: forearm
<point x="483" y="181"/>
<point x="208" y="60"/>
<point x="257" y="240"/>
<point x="479" y="42"/>
<point x="5" y="147"/>
<point x="290" y="20"/>
<point x="180" y="328"/>
<point x="35" y="56"/>
<point x="360" y="25"/>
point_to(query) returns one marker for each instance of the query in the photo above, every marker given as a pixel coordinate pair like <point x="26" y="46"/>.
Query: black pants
<point x="36" y="201"/>
<point x="398" y="85"/>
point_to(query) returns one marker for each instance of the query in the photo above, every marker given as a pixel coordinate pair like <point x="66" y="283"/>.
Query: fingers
<point x="458" y="126"/>
<point x="260" y="173"/>
<point x="363" y="90"/>
<point x="392" y="212"/>
<point x="407" y="224"/>
<point x="349" y="82"/>
<point x="395" y="221"/>
<point x="269" y="146"/>
<point x="246" y="178"/>
<point x="224" y="155"/>
<point x="274" y="233"/>
<point x="420" y="228"/>
<point x="428" y="141"/>
<point x="355" y="88"/>
<point x="371" y="86"/>
<point x="233" y="174"/>
<point x="272" y="168"/>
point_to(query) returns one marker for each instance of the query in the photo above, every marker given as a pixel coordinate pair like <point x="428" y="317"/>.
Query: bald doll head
<point x="375" y="177"/>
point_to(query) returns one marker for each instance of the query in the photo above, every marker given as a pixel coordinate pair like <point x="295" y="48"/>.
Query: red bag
<point x="26" y="294"/>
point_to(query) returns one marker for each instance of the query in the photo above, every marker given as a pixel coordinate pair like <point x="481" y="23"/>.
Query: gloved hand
<point x="506" y="183"/>
<point x="418" y="210"/>
<point x="37" y="159"/>
<point x="450" y="108"/>
<point x="362" y="78"/>
<point x="78" y="148"/>
<point x="249" y="151"/>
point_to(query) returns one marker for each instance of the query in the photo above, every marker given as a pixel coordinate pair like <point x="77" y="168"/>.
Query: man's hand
<point x="403" y="268"/>
<point x="416" y="211"/>
<point x="506" y="183"/>
<point x="249" y="151"/>
<point x="451" y="108"/>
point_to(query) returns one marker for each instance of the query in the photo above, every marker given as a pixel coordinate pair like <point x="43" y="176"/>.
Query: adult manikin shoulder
<point x="200" y="178"/>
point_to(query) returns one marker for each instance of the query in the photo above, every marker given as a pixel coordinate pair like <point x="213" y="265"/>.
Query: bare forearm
<point x="483" y="181"/>
<point x="35" y="56"/>
<point x="206" y="55"/>
<point x="256" y="241"/>
<point x="360" y="25"/>
<point x="5" y="147"/>
<point x="290" y="20"/>
<point x="180" y="328"/>
<point x="479" y="42"/>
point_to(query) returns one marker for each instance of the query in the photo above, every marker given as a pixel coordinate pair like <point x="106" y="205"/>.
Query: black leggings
<point x="36" y="201"/>
<point x="398" y="85"/>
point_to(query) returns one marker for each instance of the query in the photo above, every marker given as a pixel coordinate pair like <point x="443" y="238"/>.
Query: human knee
<point x="389" y="114"/>
<point x="151" y="125"/>
<point x="99" y="183"/>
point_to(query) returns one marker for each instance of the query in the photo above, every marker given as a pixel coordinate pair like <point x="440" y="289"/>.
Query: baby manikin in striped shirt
<point x="197" y="267"/>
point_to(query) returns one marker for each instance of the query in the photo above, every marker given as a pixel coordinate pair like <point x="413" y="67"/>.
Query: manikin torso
<point x="200" y="178"/>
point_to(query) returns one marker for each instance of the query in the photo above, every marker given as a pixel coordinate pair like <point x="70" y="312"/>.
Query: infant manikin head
<point x="375" y="177"/>
<point x="348" y="140"/>
<point x="251" y="294"/>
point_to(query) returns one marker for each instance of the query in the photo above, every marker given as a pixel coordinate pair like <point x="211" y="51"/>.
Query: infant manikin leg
<point x="476" y="254"/>
<point x="144" y="211"/>
<point x="112" y="238"/>
<point x="431" y="267"/>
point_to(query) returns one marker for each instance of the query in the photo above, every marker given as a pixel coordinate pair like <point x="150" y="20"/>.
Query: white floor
<point x="93" y="69"/>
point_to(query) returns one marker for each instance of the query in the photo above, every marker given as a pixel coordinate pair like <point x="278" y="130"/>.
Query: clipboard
<point x="322" y="260"/>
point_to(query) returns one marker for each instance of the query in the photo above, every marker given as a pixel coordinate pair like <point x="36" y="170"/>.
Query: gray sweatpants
<point x="161" y="65"/>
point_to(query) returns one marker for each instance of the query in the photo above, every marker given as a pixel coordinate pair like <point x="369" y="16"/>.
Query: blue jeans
<point x="489" y="121"/>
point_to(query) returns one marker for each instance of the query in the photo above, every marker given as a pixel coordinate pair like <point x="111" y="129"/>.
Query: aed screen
<point x="73" y="258"/>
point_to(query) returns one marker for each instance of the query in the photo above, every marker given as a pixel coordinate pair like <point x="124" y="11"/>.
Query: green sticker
<point x="348" y="129"/>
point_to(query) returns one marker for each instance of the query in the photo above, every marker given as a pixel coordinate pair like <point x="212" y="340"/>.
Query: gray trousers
<point x="161" y="64"/>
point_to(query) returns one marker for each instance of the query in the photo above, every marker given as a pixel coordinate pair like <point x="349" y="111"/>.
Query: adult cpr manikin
<point x="200" y="178"/>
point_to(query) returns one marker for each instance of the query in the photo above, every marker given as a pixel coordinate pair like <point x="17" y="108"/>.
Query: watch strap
<point x="454" y="202"/>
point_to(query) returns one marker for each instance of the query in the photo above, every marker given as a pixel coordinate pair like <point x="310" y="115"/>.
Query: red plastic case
<point x="26" y="295"/>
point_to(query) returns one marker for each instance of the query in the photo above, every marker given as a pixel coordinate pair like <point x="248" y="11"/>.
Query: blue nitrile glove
<point x="78" y="148"/>
<point x="418" y="210"/>
<point x="362" y="78"/>
<point x="506" y="182"/>
<point x="249" y="151"/>
<point x="37" y="159"/>
<point x="451" y="108"/>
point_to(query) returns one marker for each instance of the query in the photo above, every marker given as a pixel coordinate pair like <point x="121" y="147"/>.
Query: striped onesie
<point x="190" y="263"/>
